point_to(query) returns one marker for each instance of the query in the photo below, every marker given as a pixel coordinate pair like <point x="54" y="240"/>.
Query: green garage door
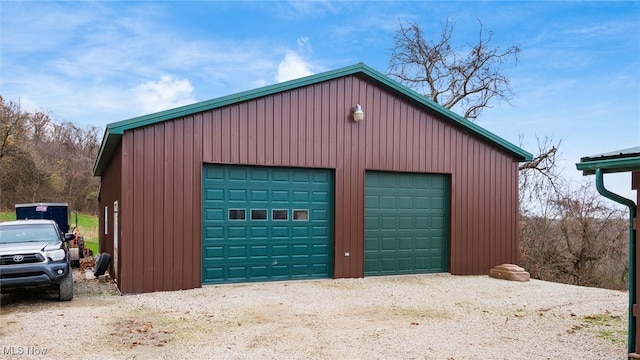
<point x="262" y="224"/>
<point x="406" y="223"/>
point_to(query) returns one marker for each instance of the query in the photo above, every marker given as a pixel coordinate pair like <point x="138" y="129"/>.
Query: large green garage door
<point x="262" y="223"/>
<point x="406" y="223"/>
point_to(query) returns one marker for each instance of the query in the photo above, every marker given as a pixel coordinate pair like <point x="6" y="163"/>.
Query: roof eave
<point x="623" y="164"/>
<point x="109" y="144"/>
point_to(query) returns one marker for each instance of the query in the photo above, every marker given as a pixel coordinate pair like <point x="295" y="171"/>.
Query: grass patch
<point x="7" y="216"/>
<point x="88" y="226"/>
<point x="607" y="327"/>
<point x="616" y="337"/>
<point x="599" y="319"/>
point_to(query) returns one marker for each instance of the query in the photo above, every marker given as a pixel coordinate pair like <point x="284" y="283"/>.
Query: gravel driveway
<point x="405" y="317"/>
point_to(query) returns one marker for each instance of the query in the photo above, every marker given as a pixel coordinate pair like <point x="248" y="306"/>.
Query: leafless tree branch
<point x="467" y="80"/>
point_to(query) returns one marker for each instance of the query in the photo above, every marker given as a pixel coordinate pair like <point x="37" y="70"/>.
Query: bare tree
<point x="466" y="78"/>
<point x="41" y="160"/>
<point x="580" y="239"/>
<point x="13" y="127"/>
<point x="540" y="179"/>
<point x="593" y="231"/>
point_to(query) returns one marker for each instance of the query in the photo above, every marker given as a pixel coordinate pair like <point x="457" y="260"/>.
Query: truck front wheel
<point x="65" y="290"/>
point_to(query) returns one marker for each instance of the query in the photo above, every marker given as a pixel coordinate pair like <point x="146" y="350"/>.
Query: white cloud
<point x="292" y="67"/>
<point x="163" y="94"/>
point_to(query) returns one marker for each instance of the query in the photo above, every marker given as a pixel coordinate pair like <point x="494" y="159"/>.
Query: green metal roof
<point x="625" y="160"/>
<point x="114" y="131"/>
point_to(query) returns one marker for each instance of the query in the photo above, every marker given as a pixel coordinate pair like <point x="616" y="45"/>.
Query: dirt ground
<point x="407" y="317"/>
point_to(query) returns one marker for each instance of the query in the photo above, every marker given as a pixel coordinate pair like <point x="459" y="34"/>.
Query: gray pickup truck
<point x="35" y="253"/>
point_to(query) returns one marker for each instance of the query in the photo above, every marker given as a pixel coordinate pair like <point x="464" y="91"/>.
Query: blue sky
<point x="93" y="63"/>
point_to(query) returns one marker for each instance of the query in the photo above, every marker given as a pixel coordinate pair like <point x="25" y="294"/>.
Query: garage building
<point x="282" y="183"/>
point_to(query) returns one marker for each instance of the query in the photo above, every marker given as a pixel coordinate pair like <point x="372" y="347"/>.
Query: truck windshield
<point x="24" y="233"/>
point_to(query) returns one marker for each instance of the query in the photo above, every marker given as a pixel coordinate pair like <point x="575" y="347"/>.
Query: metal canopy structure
<point x="626" y="160"/>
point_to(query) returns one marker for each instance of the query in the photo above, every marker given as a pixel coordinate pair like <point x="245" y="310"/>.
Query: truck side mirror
<point x="69" y="237"/>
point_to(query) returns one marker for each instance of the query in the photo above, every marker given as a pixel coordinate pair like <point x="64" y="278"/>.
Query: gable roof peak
<point x="114" y="131"/>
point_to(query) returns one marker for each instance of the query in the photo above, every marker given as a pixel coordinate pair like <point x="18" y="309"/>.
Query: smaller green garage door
<point x="406" y="223"/>
<point x="263" y="223"/>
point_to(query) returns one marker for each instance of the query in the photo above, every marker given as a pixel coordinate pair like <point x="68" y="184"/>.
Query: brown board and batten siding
<point x="309" y="126"/>
<point x="110" y="192"/>
<point x="163" y="169"/>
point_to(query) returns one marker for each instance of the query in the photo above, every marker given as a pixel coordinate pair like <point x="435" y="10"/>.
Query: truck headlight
<point x="55" y="255"/>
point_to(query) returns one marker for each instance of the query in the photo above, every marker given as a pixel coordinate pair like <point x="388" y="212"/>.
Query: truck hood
<point x="29" y="247"/>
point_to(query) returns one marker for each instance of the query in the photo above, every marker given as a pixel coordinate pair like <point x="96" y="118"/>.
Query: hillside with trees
<point x="42" y="160"/>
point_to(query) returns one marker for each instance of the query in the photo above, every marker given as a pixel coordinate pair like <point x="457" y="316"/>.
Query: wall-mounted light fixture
<point x="358" y="114"/>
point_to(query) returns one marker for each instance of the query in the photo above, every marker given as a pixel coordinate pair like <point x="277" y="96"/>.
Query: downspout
<point x="631" y="338"/>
